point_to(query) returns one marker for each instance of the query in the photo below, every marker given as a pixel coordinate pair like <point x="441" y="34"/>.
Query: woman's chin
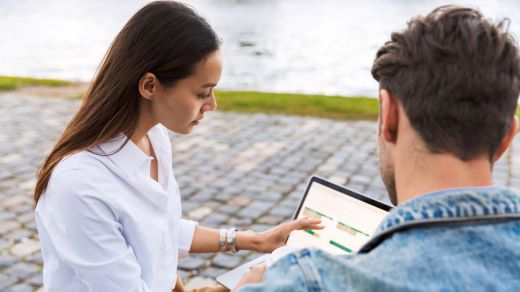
<point x="181" y="130"/>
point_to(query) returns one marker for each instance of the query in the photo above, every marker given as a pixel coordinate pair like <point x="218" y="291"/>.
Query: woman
<point x="108" y="206"/>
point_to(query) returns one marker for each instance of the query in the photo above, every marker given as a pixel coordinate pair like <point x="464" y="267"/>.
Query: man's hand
<point x="255" y="275"/>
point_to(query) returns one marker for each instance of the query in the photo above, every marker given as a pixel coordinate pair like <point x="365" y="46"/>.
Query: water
<point x="303" y="46"/>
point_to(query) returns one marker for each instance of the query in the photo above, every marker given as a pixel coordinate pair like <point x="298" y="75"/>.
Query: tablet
<point x="349" y="219"/>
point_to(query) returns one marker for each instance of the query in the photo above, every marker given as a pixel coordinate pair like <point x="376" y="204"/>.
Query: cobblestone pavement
<point x="234" y="170"/>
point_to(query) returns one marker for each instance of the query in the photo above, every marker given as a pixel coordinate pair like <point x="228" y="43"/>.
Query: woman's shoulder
<point x="79" y="180"/>
<point x="84" y="162"/>
<point x="79" y="172"/>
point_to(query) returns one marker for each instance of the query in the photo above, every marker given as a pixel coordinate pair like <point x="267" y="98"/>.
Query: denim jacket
<point x="452" y="240"/>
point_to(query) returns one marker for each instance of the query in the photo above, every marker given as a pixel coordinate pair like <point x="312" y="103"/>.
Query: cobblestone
<point x="7" y="261"/>
<point x="199" y="213"/>
<point x="4" y="243"/>
<point x="25" y="248"/>
<point x="191" y="263"/>
<point x="6" y="281"/>
<point x="228" y="209"/>
<point x="234" y="170"/>
<point x="198" y="281"/>
<point x="213" y="272"/>
<point x="8" y="226"/>
<point x="260" y="227"/>
<point x="215" y="218"/>
<point x="36" y="280"/>
<point x="282" y="211"/>
<point x="250" y="213"/>
<point x="20" y="288"/>
<point x="270" y="220"/>
<point x="6" y="216"/>
<point x="226" y="261"/>
<point x="21" y="270"/>
<point x="18" y="235"/>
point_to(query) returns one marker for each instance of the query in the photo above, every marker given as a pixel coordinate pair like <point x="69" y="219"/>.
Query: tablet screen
<point x="349" y="218"/>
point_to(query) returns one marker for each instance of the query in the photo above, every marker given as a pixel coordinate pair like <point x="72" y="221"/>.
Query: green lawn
<point x="332" y="107"/>
<point x="12" y="82"/>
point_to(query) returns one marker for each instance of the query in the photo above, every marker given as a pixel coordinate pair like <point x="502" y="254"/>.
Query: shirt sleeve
<point x="84" y="231"/>
<point x="185" y="236"/>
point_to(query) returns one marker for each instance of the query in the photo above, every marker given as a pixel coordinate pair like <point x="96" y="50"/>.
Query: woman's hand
<point x="275" y="237"/>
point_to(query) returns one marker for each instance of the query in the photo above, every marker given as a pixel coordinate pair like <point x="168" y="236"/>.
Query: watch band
<point x="231" y="235"/>
<point x="222" y="240"/>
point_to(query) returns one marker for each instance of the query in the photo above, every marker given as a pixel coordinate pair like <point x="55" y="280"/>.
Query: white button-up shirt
<point x="106" y="225"/>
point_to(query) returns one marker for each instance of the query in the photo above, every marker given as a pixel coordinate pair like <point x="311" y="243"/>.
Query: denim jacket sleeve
<point x="294" y="272"/>
<point x="464" y="239"/>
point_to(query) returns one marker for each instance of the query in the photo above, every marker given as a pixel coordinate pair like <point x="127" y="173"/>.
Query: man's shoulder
<point x="460" y="204"/>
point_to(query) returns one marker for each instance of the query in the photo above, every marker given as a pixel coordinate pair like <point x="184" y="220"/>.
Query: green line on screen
<point x="359" y="231"/>
<point x="340" y="246"/>
<point x="319" y="213"/>
<point x="312" y="233"/>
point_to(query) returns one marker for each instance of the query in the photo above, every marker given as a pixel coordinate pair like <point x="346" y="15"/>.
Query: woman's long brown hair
<point x="164" y="37"/>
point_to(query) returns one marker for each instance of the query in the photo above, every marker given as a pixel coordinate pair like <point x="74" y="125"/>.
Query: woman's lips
<point x="196" y="122"/>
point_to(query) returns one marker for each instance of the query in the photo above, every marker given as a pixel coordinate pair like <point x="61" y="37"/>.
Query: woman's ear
<point x="508" y="139"/>
<point x="148" y="85"/>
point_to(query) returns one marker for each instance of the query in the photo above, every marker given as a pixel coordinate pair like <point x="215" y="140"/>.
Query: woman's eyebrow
<point x="208" y="85"/>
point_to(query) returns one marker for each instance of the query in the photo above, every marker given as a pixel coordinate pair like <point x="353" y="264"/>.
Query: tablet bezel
<point x="341" y="189"/>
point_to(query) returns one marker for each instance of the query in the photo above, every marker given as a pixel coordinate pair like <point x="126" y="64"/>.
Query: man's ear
<point x="389" y="118"/>
<point x="508" y="139"/>
<point x="148" y="85"/>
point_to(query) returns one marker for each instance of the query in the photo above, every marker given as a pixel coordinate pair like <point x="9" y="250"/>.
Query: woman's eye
<point x="204" y="95"/>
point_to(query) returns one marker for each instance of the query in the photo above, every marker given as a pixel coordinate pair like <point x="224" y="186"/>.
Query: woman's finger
<point x="311" y="226"/>
<point x="305" y="223"/>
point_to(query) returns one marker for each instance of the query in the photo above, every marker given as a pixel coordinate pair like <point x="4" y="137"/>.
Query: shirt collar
<point x="125" y="154"/>
<point x="454" y="203"/>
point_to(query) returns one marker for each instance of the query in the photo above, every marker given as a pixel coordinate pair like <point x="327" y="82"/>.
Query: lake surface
<point x="303" y="46"/>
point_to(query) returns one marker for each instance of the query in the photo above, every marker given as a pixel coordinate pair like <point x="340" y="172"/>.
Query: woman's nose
<point x="211" y="105"/>
<point x="213" y="102"/>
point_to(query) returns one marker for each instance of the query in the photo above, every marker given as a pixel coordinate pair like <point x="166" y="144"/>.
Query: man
<point x="449" y="86"/>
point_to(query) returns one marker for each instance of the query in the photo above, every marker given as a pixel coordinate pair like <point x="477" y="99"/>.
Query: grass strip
<point x="323" y="106"/>
<point x="313" y="105"/>
<point x="13" y="82"/>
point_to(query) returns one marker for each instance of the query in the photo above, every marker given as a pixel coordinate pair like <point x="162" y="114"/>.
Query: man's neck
<point x="427" y="173"/>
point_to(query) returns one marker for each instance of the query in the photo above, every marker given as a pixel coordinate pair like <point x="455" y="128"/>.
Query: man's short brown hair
<point x="457" y="75"/>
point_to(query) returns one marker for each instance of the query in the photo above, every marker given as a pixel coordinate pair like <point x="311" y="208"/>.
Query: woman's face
<point x="181" y="107"/>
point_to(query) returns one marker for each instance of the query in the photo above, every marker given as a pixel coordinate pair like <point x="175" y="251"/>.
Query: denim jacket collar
<point x="449" y="206"/>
